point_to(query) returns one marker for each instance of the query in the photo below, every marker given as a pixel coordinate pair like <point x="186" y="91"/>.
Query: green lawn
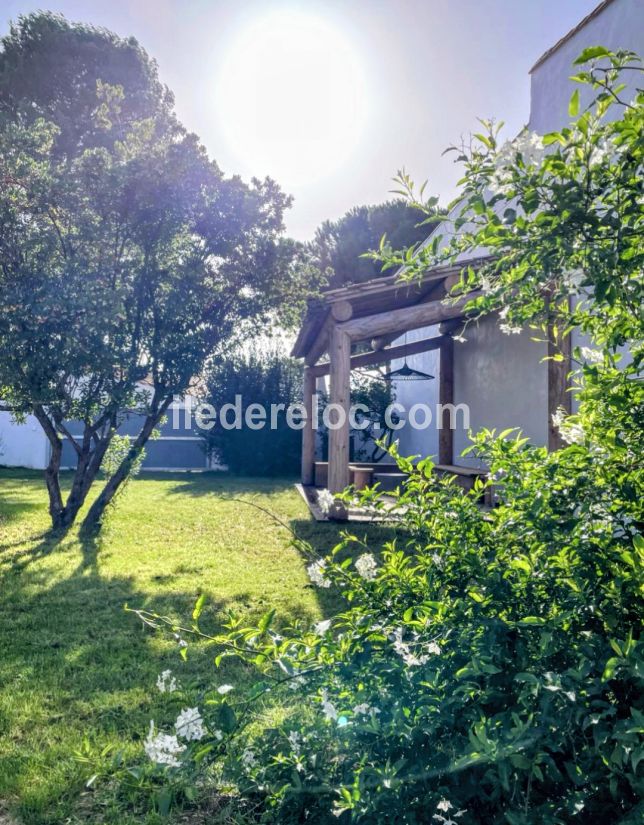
<point x="76" y="671"/>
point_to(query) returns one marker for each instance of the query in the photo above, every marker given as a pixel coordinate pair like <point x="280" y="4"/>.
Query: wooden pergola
<point x="378" y="312"/>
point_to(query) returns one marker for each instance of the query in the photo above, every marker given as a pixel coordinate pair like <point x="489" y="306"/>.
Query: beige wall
<point x="502" y="380"/>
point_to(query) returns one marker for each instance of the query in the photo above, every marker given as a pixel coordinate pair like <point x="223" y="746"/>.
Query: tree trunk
<point x="96" y="512"/>
<point x="89" y="463"/>
<point x="52" y="471"/>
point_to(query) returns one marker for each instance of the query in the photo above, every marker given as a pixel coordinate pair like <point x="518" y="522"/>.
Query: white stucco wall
<point x="620" y="25"/>
<point x="501" y="379"/>
<point x="418" y="442"/>
<point x="22" y="445"/>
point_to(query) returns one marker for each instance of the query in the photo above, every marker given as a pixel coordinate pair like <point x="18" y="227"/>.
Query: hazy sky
<point x="331" y="97"/>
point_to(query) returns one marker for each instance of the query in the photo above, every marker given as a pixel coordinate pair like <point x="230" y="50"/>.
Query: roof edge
<point x="596" y="11"/>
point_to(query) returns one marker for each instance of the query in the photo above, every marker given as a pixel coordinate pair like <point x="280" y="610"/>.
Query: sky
<point x="332" y="97"/>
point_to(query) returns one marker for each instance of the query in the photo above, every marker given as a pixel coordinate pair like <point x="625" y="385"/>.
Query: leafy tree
<point x="337" y="249"/>
<point x="264" y="376"/>
<point x="488" y="666"/>
<point x="124" y="251"/>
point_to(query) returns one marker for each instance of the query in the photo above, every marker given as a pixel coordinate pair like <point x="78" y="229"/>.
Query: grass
<point x="77" y="673"/>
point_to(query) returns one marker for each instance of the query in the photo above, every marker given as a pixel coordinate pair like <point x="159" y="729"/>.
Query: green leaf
<point x="611" y="666"/>
<point x="227" y="718"/>
<point x="265" y="621"/>
<point x="591" y="53"/>
<point x="573" y="106"/>
<point x="199" y="607"/>
<point x="164" y="801"/>
<point x="532" y="620"/>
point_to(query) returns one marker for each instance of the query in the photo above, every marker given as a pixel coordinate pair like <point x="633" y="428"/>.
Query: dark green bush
<point x="260" y="376"/>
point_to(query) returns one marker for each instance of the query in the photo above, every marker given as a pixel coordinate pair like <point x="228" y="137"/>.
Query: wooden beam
<point x="341" y="310"/>
<point x="559" y="394"/>
<point x="321" y="343"/>
<point x="402" y="320"/>
<point x="308" y="433"/>
<point x="382" y="356"/>
<point x="446" y="396"/>
<point x="340" y="355"/>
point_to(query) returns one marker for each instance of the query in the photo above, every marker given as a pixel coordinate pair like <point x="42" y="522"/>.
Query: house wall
<point x="412" y="441"/>
<point x="22" y="445"/>
<point x="501" y="379"/>
<point x="619" y="25"/>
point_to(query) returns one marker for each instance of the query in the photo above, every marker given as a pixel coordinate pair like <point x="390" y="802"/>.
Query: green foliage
<point x="53" y="70"/>
<point x="126" y="256"/>
<point x="337" y="251"/>
<point x="259" y="375"/>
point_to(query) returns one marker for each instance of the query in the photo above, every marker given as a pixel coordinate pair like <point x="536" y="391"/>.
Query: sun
<point x="291" y="97"/>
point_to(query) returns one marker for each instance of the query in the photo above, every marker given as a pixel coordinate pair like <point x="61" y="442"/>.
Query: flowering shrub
<point x="487" y="666"/>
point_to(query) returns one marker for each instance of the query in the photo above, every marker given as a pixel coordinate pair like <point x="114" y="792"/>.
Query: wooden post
<point x="558" y="385"/>
<point x="308" y="433"/>
<point x="340" y="362"/>
<point x="446" y="396"/>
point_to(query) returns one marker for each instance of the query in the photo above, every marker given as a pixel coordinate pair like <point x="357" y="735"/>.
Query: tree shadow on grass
<point x="75" y="667"/>
<point x="46" y="542"/>
<point x="226" y="485"/>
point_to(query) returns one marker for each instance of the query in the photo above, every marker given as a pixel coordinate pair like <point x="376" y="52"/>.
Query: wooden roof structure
<point x="378" y="312"/>
<point x="358" y="305"/>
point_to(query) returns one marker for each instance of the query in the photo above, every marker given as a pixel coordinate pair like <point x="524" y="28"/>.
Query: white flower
<point x="163" y="749"/>
<point x="218" y="735"/>
<point x="328" y="708"/>
<point x="296" y="682"/>
<point x="166" y="683"/>
<point x="499" y="185"/>
<point x="445" y="805"/>
<point x="321" y="627"/>
<point x="295" y="740"/>
<point x="364" y="709"/>
<point x="530" y="147"/>
<point x="367" y="567"/>
<point x="189" y="725"/>
<point x="434" y="648"/>
<point x="570" y="432"/>
<point x="315" y="572"/>
<point x="326" y="501"/>
<point x="509" y="329"/>
<point x="404" y="650"/>
<point x="248" y="759"/>
<point x="600" y="153"/>
<point x="593" y="356"/>
<point x="224" y="689"/>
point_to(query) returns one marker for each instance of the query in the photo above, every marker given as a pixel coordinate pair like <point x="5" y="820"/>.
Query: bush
<point x="260" y="376"/>
<point x="489" y="660"/>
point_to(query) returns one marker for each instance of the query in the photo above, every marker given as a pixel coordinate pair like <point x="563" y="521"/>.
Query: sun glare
<point x="291" y="97"/>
